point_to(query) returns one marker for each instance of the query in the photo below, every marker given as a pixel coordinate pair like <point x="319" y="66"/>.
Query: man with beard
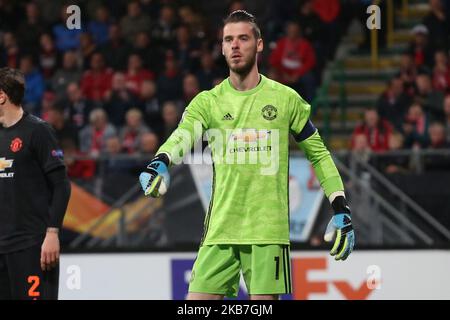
<point x="247" y="119"/>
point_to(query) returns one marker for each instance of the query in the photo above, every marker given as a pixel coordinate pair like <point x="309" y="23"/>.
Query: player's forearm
<point x="324" y="167"/>
<point x="181" y="140"/>
<point x="60" y="187"/>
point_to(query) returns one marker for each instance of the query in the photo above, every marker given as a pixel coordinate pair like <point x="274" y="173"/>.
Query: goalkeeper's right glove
<point x="155" y="178"/>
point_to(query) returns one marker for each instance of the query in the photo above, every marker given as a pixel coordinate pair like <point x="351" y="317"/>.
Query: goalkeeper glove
<point x="155" y="178"/>
<point x="341" y="230"/>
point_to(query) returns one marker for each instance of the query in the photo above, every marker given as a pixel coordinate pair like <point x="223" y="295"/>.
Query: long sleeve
<point x="60" y="185"/>
<point x="325" y="169"/>
<point x="194" y="122"/>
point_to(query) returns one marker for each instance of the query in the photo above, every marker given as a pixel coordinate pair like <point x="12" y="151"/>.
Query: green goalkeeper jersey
<point x="248" y="134"/>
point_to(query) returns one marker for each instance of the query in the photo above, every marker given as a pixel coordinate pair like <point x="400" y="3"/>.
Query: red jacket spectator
<point x="293" y="55"/>
<point x="97" y="81"/>
<point x="441" y="72"/>
<point x="376" y="130"/>
<point x="136" y="74"/>
<point x="327" y="10"/>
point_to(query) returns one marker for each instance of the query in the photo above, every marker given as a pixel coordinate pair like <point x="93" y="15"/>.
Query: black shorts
<point x="21" y="276"/>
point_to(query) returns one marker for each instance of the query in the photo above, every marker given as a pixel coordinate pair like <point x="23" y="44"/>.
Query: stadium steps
<point x="365" y="74"/>
<point x="396" y="48"/>
<point x="364" y="61"/>
<point x="417" y="10"/>
<point x="359" y="87"/>
<point x="363" y="83"/>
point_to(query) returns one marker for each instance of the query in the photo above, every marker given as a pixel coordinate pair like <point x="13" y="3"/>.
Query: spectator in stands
<point x="396" y="141"/>
<point x="151" y="55"/>
<point x="65" y="38"/>
<point x="328" y="12"/>
<point x="186" y="50"/>
<point x="29" y="31"/>
<point x="113" y="163"/>
<point x="134" y="22"/>
<point x="207" y="72"/>
<point x="87" y="49"/>
<point x="64" y="130"/>
<point x="236" y="5"/>
<point x="93" y="137"/>
<point x="430" y="100"/>
<point x="48" y="56"/>
<point x="407" y="73"/>
<point x="99" y="27"/>
<point x="437" y="25"/>
<point x="96" y="81"/>
<point x="436" y="134"/>
<point x="131" y="133"/>
<point x="9" y="51"/>
<point x="420" y="47"/>
<point x="310" y="23"/>
<point x="69" y="72"/>
<point x="415" y="127"/>
<point x="77" y="167"/>
<point x="447" y="116"/>
<point x="376" y="130"/>
<point x="360" y="147"/>
<point x="112" y="147"/>
<point x="441" y="72"/>
<point x="35" y="85"/>
<point x="149" y="144"/>
<point x="190" y="89"/>
<point x="216" y="51"/>
<point x="164" y="30"/>
<point x="294" y="59"/>
<point x="437" y="141"/>
<point x="170" y="81"/>
<point x="151" y="107"/>
<point x="313" y="29"/>
<point x="398" y="163"/>
<point x="116" y="49"/>
<point x="193" y="20"/>
<point x="171" y="118"/>
<point x="119" y="100"/>
<point x="136" y="74"/>
<point x="78" y="106"/>
<point x="48" y="102"/>
<point x="393" y="103"/>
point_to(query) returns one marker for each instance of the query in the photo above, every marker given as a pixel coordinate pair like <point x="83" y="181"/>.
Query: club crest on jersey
<point x="16" y="145"/>
<point x="269" y="112"/>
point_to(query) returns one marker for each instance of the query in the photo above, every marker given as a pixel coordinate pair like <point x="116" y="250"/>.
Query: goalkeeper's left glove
<point x="155" y="179"/>
<point x="340" y="229"/>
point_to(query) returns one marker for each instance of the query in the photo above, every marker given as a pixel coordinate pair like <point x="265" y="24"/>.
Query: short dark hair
<point x="12" y="82"/>
<point x="243" y="16"/>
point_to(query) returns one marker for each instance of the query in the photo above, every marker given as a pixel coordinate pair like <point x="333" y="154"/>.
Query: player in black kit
<point x="34" y="192"/>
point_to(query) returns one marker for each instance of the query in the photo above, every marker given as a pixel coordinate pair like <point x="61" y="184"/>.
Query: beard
<point x="245" y="68"/>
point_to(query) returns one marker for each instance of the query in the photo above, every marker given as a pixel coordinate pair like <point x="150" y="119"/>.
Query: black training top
<point x="28" y="152"/>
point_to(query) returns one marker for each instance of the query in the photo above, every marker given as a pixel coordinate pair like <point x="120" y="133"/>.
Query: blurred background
<point x="115" y="89"/>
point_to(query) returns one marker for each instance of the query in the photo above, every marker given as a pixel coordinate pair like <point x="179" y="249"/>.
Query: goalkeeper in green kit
<point x="247" y="120"/>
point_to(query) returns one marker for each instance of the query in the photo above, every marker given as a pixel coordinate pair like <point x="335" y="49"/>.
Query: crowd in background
<point x="121" y="82"/>
<point x="414" y="110"/>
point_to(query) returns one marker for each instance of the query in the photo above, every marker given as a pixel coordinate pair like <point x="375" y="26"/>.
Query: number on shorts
<point x="35" y="281"/>
<point x="277" y="267"/>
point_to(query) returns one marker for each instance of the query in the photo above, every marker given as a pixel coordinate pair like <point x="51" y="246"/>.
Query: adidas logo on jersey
<point x="228" y="117"/>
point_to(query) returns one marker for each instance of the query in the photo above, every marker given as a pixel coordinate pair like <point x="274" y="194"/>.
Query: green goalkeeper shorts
<point x="265" y="268"/>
